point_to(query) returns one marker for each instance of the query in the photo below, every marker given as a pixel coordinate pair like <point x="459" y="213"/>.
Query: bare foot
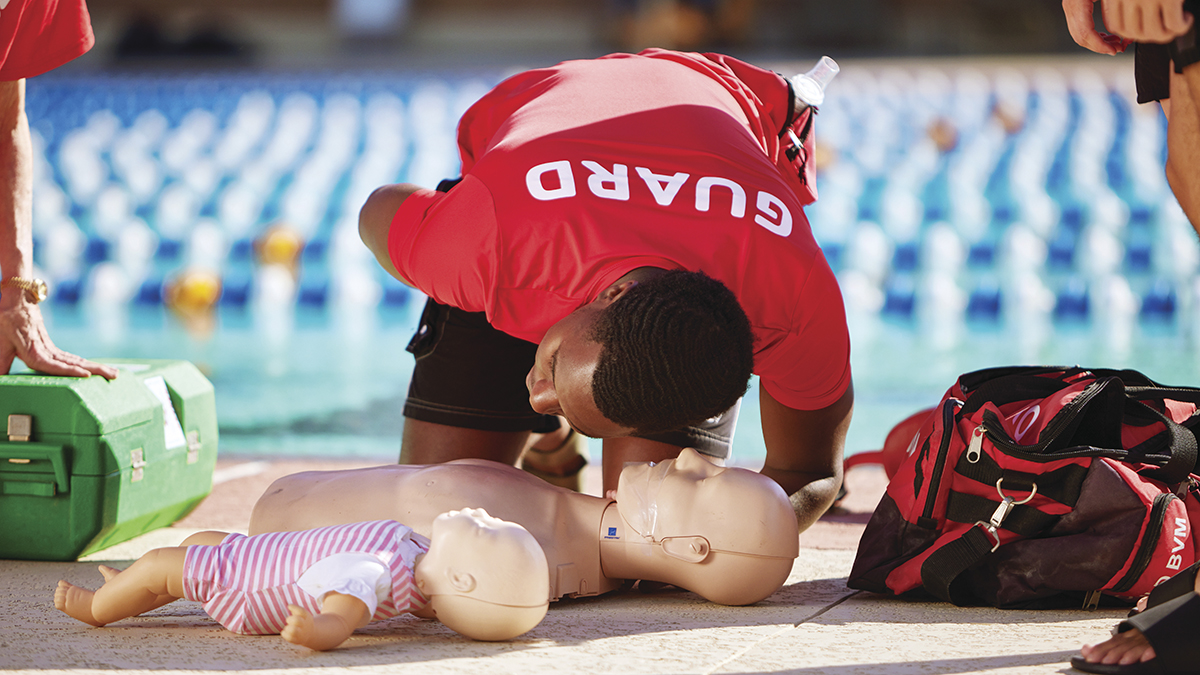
<point x="1123" y="648"/>
<point x="76" y="602"/>
<point x="108" y="572"/>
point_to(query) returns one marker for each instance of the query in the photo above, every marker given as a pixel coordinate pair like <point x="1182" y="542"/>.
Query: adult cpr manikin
<point x="727" y="534"/>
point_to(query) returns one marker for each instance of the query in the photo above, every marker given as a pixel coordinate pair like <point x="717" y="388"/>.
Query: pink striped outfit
<point x="246" y="583"/>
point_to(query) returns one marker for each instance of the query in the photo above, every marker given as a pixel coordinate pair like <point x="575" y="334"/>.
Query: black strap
<point x="943" y="566"/>
<point x="1025" y="520"/>
<point x="1062" y="484"/>
<point x="1183" y="451"/>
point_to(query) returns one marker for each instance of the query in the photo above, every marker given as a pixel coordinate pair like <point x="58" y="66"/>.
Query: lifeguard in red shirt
<point x="35" y="36"/>
<point x="627" y="243"/>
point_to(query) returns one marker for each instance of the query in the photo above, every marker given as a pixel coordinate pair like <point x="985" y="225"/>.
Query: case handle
<point x="28" y="453"/>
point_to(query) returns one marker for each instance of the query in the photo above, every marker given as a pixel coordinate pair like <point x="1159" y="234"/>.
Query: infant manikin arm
<point x="349" y="587"/>
<point x="360" y="575"/>
<point x="340" y="615"/>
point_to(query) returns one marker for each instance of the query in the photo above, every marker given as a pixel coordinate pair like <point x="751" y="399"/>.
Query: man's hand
<point x="1156" y="21"/>
<point x="1083" y="29"/>
<point x="23" y="335"/>
<point x="804" y="451"/>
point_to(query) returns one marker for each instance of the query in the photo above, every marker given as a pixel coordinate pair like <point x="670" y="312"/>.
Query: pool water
<point x="976" y="213"/>
<point x="324" y="385"/>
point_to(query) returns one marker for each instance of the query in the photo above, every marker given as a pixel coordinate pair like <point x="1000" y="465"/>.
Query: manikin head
<point x="484" y="577"/>
<point x="657" y="350"/>
<point x="728" y="534"/>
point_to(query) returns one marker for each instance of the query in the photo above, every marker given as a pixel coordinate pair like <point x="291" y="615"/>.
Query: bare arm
<point x="340" y="615"/>
<point x="375" y="221"/>
<point x="804" y="452"/>
<point x="22" y="329"/>
<point x="1183" y="141"/>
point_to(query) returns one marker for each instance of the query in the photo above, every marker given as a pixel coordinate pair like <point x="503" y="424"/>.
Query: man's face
<point x="560" y="382"/>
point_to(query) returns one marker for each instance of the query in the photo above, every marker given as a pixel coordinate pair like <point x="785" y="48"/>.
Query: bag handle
<point x="1183" y="447"/>
<point x="947" y="563"/>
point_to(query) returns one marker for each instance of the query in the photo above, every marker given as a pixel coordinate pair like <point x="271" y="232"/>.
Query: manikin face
<point x="657" y="499"/>
<point x="690" y="496"/>
<point x="560" y="382"/>
<point x="471" y="554"/>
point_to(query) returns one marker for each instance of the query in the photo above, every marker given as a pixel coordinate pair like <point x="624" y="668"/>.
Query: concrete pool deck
<point x="814" y="624"/>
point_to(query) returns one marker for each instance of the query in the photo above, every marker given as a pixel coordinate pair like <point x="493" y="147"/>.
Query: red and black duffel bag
<point x="1040" y="487"/>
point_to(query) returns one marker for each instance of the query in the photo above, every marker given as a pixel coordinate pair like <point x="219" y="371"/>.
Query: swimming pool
<point x="977" y="214"/>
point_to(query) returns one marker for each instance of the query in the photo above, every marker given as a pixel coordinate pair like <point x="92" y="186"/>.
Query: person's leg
<point x="467" y="397"/>
<point x="152" y="581"/>
<point x="431" y="443"/>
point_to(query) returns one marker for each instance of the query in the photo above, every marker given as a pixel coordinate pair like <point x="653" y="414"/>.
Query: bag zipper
<point x="1141" y="560"/>
<point x="939" y="464"/>
<point x="995" y="433"/>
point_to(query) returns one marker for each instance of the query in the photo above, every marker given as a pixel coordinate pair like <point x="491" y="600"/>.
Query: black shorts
<point x="471" y="375"/>
<point x="1151" y="72"/>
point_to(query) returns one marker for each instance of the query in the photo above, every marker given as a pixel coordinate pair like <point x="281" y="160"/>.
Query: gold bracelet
<point x="36" y="288"/>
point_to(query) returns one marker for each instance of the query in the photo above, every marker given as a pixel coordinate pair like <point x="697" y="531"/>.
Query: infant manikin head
<point x="732" y="531"/>
<point x="484" y="577"/>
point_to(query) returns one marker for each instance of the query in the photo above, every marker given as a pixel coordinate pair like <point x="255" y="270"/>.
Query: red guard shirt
<point x="40" y="35"/>
<point x="577" y="174"/>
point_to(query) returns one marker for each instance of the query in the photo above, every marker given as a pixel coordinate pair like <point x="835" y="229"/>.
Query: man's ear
<point x="615" y="291"/>
<point x="687" y="549"/>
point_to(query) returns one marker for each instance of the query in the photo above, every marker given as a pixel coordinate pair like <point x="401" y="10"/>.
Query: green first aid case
<point x="87" y="462"/>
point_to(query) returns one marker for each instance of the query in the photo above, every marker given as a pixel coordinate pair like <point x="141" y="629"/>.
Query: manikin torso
<point x="566" y="524"/>
<point x="728" y="534"/>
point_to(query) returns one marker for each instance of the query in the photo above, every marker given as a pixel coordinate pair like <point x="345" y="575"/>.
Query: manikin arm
<point x="375" y="221"/>
<point x="340" y="616"/>
<point x="22" y="329"/>
<point x="804" y="452"/>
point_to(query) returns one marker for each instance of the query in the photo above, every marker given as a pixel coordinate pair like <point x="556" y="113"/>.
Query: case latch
<point x="193" y="446"/>
<point x="20" y="427"/>
<point x="137" y="462"/>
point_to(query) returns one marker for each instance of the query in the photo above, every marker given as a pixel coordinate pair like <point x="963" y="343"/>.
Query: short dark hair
<point x="676" y="349"/>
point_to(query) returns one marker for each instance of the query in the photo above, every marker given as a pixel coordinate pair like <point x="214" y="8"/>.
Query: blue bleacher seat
<point x="1159" y="302"/>
<point x="66" y="291"/>
<point x="150" y="292"/>
<point x="984" y="304"/>
<point x="235" y="291"/>
<point x="1072" y="302"/>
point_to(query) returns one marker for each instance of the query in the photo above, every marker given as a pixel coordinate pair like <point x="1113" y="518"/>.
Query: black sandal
<point x="1170" y="628"/>
<point x="1181" y="584"/>
<point x="572" y="478"/>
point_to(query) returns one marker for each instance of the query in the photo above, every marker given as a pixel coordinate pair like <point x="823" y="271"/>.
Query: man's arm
<point x="804" y="451"/>
<point x="22" y="329"/>
<point x="375" y="221"/>
<point x="1183" y="141"/>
